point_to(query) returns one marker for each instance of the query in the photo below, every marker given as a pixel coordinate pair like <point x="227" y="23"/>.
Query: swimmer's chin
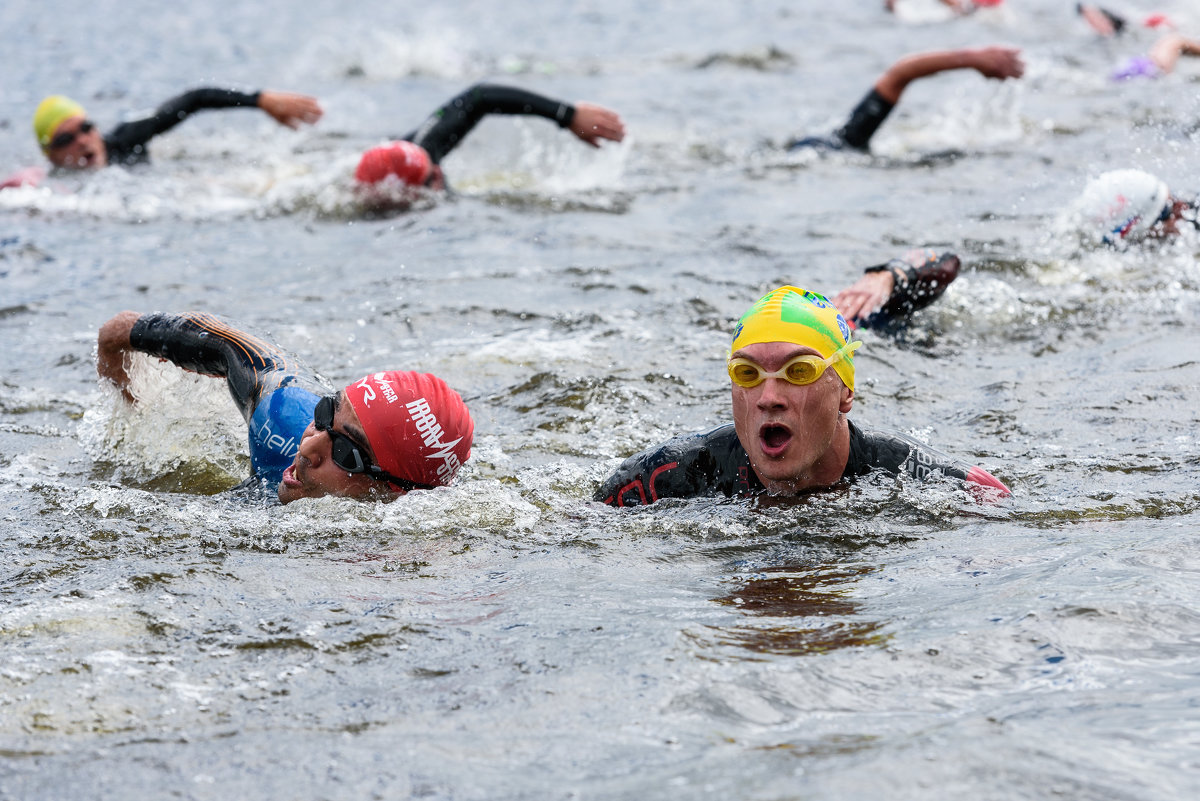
<point x="288" y="483"/>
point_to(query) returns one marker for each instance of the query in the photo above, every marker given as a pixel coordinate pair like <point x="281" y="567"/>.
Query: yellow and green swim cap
<point x="791" y="314"/>
<point x="51" y="113"/>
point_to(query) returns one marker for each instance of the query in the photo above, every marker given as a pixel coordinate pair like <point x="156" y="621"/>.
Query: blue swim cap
<point x="275" y="430"/>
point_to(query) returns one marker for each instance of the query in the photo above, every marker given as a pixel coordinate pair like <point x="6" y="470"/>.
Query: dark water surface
<point x="508" y="638"/>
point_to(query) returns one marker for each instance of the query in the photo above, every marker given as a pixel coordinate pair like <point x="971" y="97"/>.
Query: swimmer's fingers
<point x="592" y="123"/>
<point x="999" y="62"/>
<point x="866" y="295"/>
<point x="290" y="109"/>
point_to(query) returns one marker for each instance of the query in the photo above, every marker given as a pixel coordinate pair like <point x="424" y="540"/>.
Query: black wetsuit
<point x="856" y="134"/>
<point x="126" y="144"/>
<point x="714" y="463"/>
<point x="275" y="392"/>
<point x="445" y="129"/>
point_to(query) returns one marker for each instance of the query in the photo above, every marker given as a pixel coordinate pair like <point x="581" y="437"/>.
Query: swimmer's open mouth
<point x="774" y="438"/>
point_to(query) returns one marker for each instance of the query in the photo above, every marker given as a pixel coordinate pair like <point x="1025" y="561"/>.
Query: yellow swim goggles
<point x="799" y="371"/>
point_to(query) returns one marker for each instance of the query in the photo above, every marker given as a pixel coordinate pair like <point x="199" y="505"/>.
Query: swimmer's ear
<point x="847" y="399"/>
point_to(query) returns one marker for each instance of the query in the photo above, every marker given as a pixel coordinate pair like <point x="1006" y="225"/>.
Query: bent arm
<point x="199" y="343"/>
<point x="1167" y="50"/>
<point x="991" y="62"/>
<point x="112" y="351"/>
<point x="127" y="141"/>
<point x="446" y="128"/>
<point x="891" y="292"/>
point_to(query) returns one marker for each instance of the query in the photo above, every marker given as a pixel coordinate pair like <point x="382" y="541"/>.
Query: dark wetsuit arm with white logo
<point x="900" y="454"/>
<point x="204" y="343"/>
<point x="714" y="463"/>
<point x="445" y="129"/>
<point x="126" y="143"/>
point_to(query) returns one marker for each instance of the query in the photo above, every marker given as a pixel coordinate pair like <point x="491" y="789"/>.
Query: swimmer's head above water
<point x="1125" y="206"/>
<point x="66" y="136"/>
<point x="789" y="409"/>
<point x="385" y="434"/>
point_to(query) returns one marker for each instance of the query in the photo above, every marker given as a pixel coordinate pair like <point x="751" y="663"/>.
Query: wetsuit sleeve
<point x="693" y="465"/>
<point x="204" y="343"/>
<point x="914" y="287"/>
<point x="899" y="454"/>
<point x="127" y="142"/>
<point x="450" y="124"/>
<point x="866" y="118"/>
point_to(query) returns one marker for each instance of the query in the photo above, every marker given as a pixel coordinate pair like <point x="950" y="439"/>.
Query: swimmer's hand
<point x="113" y="349"/>
<point x="593" y="123"/>
<point x="30" y="176"/>
<point x="998" y="62"/>
<point x="290" y="109"/>
<point x="866" y="295"/>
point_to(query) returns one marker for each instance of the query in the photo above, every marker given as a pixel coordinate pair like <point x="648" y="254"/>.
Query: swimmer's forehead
<point x="757" y="351"/>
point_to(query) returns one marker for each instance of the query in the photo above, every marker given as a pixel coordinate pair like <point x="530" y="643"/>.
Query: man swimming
<point x="379" y="437"/>
<point x="996" y="62"/>
<point x="790" y="433"/>
<point x="415" y="158"/>
<point x="70" y="140"/>
<point x="1122" y="207"/>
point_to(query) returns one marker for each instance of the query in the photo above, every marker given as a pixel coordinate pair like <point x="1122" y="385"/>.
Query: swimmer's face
<point x="789" y="431"/>
<point x="313" y="473"/>
<point x="77" y="145"/>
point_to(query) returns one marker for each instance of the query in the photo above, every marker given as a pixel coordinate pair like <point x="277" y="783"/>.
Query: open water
<point x="507" y="638"/>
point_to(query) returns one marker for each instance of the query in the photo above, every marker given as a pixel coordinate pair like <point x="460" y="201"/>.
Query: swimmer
<point x="1162" y="59"/>
<point x="957" y="7"/>
<point x="1101" y="20"/>
<point x="377" y="438"/>
<point x="791" y="365"/>
<point x="1000" y="63"/>
<point x="1123" y="207"/>
<point x="71" y="141"/>
<point x="415" y="158"/>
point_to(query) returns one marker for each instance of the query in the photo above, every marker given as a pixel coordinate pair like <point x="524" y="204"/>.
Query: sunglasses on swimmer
<point x="66" y="138"/>
<point x="800" y="371"/>
<point x="348" y="454"/>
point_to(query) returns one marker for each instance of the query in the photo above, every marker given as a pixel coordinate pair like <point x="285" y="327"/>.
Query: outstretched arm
<point x="1167" y="51"/>
<point x="446" y="128"/>
<point x="991" y="62"/>
<point x="126" y="142"/>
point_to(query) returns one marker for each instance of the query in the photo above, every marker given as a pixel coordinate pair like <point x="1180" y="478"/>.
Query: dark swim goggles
<point x="66" y="138"/>
<point x="348" y="454"/>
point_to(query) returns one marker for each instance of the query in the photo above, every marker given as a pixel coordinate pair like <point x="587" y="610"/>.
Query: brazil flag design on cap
<point x="51" y="113"/>
<point x="791" y="314"/>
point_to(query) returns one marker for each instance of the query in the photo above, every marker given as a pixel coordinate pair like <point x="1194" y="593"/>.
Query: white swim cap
<point x="1120" y="205"/>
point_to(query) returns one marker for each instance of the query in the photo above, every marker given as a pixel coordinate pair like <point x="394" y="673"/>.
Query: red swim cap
<point x="419" y="428"/>
<point x="408" y="162"/>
